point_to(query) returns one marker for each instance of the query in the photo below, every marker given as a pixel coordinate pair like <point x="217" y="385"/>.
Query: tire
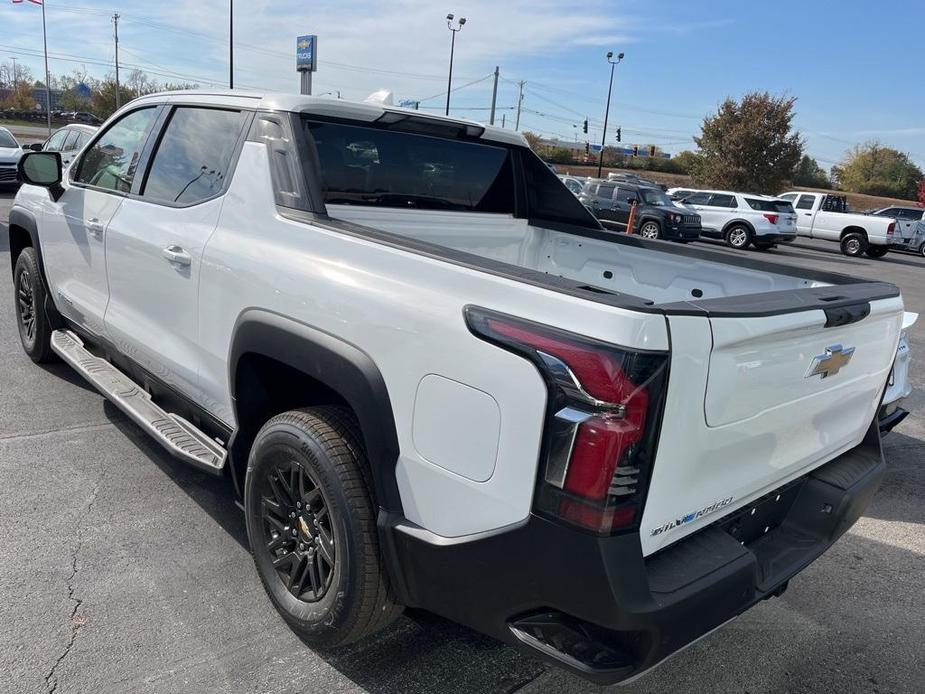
<point x="650" y="229"/>
<point x="922" y="250"/>
<point x="738" y="236"/>
<point x="876" y="251"/>
<point x="854" y="244"/>
<point x="340" y="590"/>
<point x="29" y="301"/>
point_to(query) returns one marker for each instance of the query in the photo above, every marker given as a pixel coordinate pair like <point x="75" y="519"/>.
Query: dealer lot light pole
<point x="613" y="64"/>
<point x="454" y="29"/>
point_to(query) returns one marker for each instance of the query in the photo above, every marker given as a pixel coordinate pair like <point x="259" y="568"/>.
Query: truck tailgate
<point x="776" y="397"/>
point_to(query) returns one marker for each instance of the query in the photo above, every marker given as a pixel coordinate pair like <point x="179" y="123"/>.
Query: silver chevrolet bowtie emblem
<point x="831" y="362"/>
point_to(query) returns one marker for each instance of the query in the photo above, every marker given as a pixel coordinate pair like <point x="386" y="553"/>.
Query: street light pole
<point x="231" y="44"/>
<point x="613" y="64"/>
<point x="459" y="26"/>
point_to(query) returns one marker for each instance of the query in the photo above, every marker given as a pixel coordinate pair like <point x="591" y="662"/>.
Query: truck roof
<point x="318" y="105"/>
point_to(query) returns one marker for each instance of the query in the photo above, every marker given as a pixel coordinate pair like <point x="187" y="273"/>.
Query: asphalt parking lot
<point x="122" y="570"/>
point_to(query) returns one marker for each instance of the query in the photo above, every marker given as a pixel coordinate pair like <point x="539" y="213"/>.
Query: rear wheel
<point x="922" y="250"/>
<point x="29" y="295"/>
<point x="876" y="251"/>
<point x="311" y="522"/>
<point x="737" y="236"/>
<point x="650" y="229"/>
<point x="854" y="244"/>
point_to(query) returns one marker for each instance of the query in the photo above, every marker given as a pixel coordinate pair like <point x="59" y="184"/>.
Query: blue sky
<point x="855" y="67"/>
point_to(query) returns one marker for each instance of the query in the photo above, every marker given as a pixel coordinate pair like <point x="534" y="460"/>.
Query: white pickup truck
<point x="825" y="216"/>
<point x="436" y="381"/>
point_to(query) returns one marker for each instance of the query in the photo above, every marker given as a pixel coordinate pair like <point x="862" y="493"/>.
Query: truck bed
<point x="661" y="276"/>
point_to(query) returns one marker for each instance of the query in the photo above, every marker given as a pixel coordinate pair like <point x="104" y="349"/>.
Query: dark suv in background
<point x="656" y="216"/>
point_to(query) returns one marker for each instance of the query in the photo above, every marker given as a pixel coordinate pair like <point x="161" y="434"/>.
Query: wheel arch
<point x="739" y="222"/>
<point x="23" y="233"/>
<point x="853" y="229"/>
<point x="650" y="218"/>
<point x="272" y="355"/>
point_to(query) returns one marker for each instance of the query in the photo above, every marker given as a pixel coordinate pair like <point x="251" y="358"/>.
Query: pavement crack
<point x="77" y="620"/>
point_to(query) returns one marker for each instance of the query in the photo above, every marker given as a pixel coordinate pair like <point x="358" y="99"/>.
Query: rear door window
<point x="193" y="157"/>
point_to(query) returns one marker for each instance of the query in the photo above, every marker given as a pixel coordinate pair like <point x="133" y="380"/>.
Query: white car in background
<point x="743" y="219"/>
<point x="898" y="386"/>
<point x="10" y="153"/>
<point x="573" y="183"/>
<point x="910" y="225"/>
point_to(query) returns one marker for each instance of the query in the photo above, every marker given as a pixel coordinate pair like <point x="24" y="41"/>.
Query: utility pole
<point x="47" y="72"/>
<point x="494" y="98"/>
<point x="520" y="101"/>
<point x="503" y="119"/>
<point x="613" y="64"/>
<point x="115" y="26"/>
<point x="15" y="75"/>
<point x="231" y="44"/>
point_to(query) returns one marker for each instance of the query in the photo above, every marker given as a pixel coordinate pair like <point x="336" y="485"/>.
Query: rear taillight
<point x="771" y="218"/>
<point x="602" y="420"/>
<point x="891" y="228"/>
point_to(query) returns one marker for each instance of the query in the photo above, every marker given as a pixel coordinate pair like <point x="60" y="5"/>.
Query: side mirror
<point x="42" y="169"/>
<point x="35" y="147"/>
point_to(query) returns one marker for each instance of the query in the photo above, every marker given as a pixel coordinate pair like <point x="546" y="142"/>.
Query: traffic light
<point x="619" y="134"/>
<point x="585" y="127"/>
<point x="635" y="150"/>
<point x="651" y="151"/>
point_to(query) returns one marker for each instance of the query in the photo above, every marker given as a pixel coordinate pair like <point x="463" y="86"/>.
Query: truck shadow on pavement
<point x="421" y="648"/>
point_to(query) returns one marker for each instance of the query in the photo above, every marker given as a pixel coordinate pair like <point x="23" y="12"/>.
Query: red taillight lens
<point x="891" y="228"/>
<point x="602" y="421"/>
<point x="771" y="218"/>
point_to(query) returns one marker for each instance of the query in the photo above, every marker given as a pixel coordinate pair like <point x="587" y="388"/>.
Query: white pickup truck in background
<point x="825" y="216"/>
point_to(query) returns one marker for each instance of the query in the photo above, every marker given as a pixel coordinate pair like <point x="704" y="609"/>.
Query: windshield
<point x="6" y="140"/>
<point x="650" y="196"/>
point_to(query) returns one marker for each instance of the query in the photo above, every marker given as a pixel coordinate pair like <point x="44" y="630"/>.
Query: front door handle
<point x="94" y="226"/>
<point x="176" y="254"/>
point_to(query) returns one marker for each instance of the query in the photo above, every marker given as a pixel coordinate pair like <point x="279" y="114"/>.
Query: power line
<point x="456" y="89"/>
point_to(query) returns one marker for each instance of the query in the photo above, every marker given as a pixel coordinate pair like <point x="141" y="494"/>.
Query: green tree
<point x="809" y="174"/>
<point x="875" y="169"/>
<point x="749" y="144"/>
<point x="19" y="98"/>
<point x="688" y="162"/>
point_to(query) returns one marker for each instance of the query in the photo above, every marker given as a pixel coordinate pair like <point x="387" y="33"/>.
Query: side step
<point x="174" y="433"/>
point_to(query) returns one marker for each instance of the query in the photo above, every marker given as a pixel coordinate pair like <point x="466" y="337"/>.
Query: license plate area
<point x="761" y="517"/>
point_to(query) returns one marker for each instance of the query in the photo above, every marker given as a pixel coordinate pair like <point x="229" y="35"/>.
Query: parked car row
<point x="742" y="219"/>
<point x="656" y="216"/>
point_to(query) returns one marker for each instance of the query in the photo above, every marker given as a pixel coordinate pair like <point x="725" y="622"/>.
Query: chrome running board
<point x="174" y="433"/>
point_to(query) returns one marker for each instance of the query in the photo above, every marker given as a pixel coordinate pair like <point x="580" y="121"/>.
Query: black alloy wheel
<point x="297" y="531"/>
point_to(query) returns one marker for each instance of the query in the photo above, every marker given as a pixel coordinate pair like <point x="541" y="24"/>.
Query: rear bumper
<point x="595" y="605"/>
<point x="775" y="237"/>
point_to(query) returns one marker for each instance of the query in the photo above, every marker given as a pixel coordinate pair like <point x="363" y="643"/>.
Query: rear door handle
<point x="176" y="254"/>
<point x="94" y="226"/>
